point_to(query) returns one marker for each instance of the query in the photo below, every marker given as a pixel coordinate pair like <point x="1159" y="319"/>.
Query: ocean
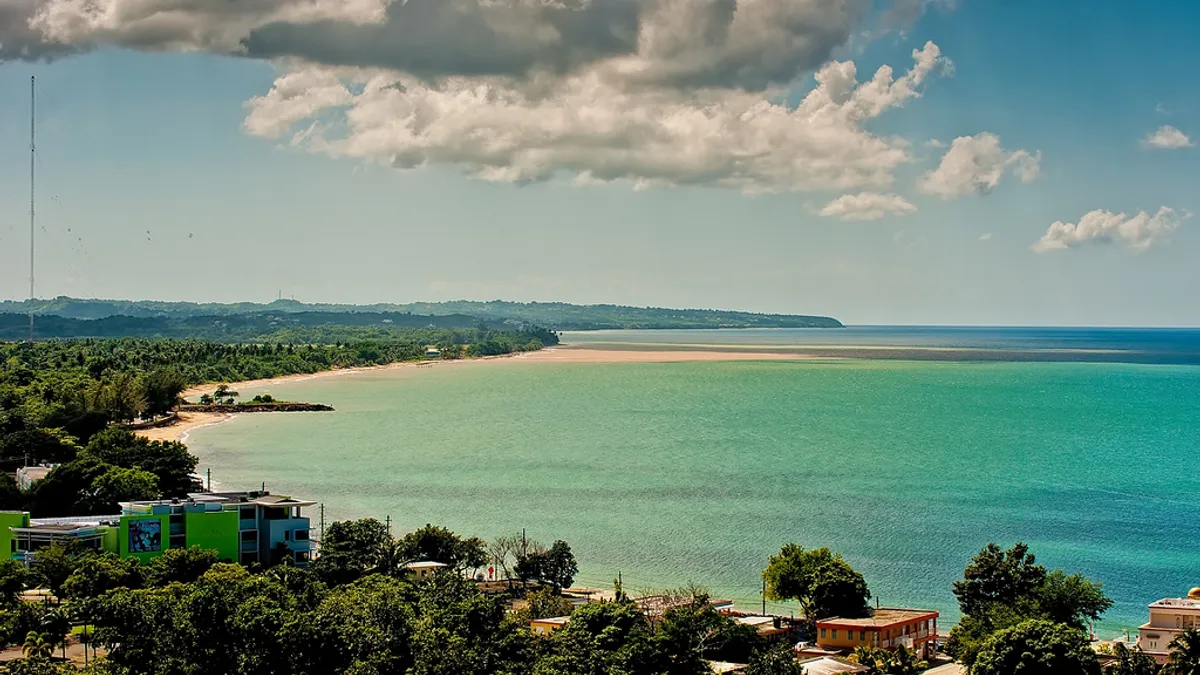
<point x="696" y="472"/>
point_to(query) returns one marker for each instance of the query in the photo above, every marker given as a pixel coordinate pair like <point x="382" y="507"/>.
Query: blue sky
<point x="159" y="179"/>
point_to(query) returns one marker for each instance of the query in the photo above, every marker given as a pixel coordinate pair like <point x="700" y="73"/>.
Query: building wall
<point x="10" y="519"/>
<point x="129" y="524"/>
<point x="112" y="539"/>
<point x="213" y="530"/>
<point x="840" y="638"/>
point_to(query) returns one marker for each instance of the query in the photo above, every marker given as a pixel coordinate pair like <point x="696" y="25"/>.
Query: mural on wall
<point x="145" y="536"/>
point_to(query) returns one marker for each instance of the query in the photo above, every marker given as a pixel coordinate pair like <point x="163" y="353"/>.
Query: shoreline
<point x="189" y="421"/>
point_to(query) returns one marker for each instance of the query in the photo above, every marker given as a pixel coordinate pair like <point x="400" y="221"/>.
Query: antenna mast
<point x="32" y="156"/>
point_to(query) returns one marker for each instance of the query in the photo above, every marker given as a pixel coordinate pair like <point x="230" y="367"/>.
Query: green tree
<point x="13" y="579"/>
<point x="163" y="387"/>
<point x="55" y="564"/>
<point x="995" y="576"/>
<point x="169" y="461"/>
<point x="821" y="582"/>
<point x="602" y="638"/>
<point x="182" y="565"/>
<point x="64" y="491"/>
<point x="1184" y="658"/>
<point x="543" y="603"/>
<point x="1074" y="600"/>
<point x="1037" y="647"/>
<point x="777" y="659"/>
<point x="559" y="567"/>
<point x="117" y="485"/>
<point x="438" y="544"/>
<point x="1130" y="662"/>
<point x="36" y="645"/>
<point x="353" y="548"/>
<point x="693" y="631"/>
<point x="96" y="574"/>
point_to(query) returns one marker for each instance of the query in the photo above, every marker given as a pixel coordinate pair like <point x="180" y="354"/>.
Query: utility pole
<point x="522" y="542"/>
<point x="764" y="597"/>
<point x="208" y="487"/>
<point x="322" y="522"/>
<point x="388" y="522"/>
<point x="32" y="157"/>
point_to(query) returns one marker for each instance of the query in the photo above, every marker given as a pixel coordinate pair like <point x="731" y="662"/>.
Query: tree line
<point x="60" y="400"/>
<point x="357" y="610"/>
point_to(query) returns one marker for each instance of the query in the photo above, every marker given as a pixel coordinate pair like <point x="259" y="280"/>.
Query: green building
<point x="245" y="527"/>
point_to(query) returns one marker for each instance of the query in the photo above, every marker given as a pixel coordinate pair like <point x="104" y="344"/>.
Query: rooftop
<point x="827" y="665"/>
<point x="883" y="618"/>
<point x="554" y="620"/>
<point x="426" y="564"/>
<point x="1176" y="603"/>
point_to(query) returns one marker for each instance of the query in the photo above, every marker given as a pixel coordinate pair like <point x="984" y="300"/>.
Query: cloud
<point x="1139" y="232"/>
<point x="867" y="206"/>
<point x="976" y="165"/>
<point x="21" y="42"/>
<point x="1167" y="137"/>
<point x="750" y="44"/>
<point x="585" y="124"/>
<point x="986" y="236"/>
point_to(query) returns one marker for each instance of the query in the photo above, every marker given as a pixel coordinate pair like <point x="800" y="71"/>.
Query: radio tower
<point x="32" y="156"/>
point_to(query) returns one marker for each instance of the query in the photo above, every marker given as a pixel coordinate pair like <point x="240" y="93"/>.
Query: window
<point x="822" y="633"/>
<point x="300" y="535"/>
<point x="301" y="556"/>
<point x="250" y="535"/>
<point x="834" y="634"/>
<point x="862" y="635"/>
<point x="287" y="535"/>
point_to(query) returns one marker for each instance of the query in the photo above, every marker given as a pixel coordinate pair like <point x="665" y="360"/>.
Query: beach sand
<point x="187" y="422"/>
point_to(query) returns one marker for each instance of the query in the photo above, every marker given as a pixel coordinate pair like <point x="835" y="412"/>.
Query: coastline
<point x="571" y="354"/>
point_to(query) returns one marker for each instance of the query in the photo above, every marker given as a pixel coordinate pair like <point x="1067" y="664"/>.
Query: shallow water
<point x="681" y="472"/>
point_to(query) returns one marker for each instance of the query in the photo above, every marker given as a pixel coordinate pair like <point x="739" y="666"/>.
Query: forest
<point x="552" y="315"/>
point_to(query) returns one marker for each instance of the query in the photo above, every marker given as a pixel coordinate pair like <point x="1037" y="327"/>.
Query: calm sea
<point x="669" y="473"/>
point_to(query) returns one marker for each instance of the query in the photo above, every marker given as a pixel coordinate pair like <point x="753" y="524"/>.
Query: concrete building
<point x="425" y="569"/>
<point x="828" y="665"/>
<point x="28" y="475"/>
<point x="887" y="628"/>
<point x="548" y="626"/>
<point x="1168" y="617"/>
<point x="245" y="527"/>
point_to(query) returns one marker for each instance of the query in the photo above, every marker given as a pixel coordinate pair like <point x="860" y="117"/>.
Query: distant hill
<point x="551" y="315"/>
<point x="295" y="328"/>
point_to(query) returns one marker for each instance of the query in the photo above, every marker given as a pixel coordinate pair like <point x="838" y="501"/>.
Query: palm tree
<point x="1185" y="654"/>
<point x="36" y="646"/>
<point x="1130" y="662"/>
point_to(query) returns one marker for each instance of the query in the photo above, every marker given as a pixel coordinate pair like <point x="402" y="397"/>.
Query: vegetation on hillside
<point x="553" y="315"/>
<point x="59" y="401"/>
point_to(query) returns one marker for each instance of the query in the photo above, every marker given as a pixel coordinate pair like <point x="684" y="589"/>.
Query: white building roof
<point x="427" y="564"/>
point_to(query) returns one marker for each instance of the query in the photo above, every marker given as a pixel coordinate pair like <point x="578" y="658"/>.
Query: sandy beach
<point x="187" y="422"/>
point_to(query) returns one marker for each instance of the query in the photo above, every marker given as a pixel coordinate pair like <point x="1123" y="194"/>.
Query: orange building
<point x="888" y="628"/>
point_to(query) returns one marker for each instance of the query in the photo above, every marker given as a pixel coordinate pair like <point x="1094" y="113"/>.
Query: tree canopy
<point x="820" y="581"/>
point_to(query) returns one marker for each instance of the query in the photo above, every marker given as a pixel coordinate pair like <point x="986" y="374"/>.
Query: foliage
<point x="180" y="565"/>
<point x="169" y="461"/>
<point x="96" y="574"/>
<point x="557" y="315"/>
<point x="354" y="548"/>
<point x="778" y="659"/>
<point x="56" y="564"/>
<point x="1185" y="654"/>
<point x="1131" y="662"/>
<point x="13" y="578"/>
<point x="1037" y="647"/>
<point x="543" y="603"/>
<point x="555" y="566"/>
<point x="437" y="544"/>
<point x="821" y="582"/>
<point x="1005" y="588"/>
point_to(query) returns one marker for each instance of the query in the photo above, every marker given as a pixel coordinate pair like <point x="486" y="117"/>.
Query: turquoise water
<point x="683" y="472"/>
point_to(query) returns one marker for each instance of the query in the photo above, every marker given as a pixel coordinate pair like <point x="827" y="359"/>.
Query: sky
<point x="883" y="162"/>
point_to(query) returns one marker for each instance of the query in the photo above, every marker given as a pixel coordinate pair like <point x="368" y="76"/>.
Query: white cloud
<point x="976" y="165"/>
<point x="1139" y="232"/>
<point x="867" y="206"/>
<point x="986" y="236"/>
<point x="1167" y="137"/>
<point x="506" y="130"/>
